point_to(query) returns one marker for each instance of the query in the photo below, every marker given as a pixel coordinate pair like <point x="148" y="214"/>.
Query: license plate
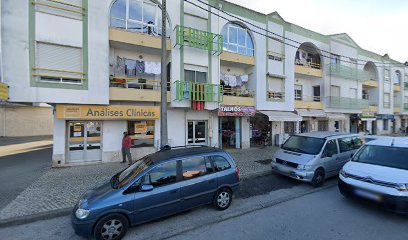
<point x="368" y="195"/>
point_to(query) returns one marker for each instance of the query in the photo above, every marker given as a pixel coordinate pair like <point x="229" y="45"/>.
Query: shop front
<point x="92" y="133"/>
<point x="234" y="126"/>
<point x="313" y="120"/>
<point x="367" y="123"/>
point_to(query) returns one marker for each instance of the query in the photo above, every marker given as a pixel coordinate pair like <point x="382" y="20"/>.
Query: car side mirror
<point x="146" y="188"/>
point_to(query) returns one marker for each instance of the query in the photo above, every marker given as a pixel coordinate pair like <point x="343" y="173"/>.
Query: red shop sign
<point x="236" y="111"/>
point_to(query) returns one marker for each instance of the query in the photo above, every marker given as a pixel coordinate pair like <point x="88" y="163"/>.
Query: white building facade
<point x="236" y="78"/>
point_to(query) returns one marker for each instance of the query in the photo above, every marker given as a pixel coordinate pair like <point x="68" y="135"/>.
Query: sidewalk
<point x="59" y="189"/>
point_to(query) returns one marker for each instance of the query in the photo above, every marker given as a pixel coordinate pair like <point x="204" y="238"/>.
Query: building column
<point x="245" y="133"/>
<point x="237" y="132"/>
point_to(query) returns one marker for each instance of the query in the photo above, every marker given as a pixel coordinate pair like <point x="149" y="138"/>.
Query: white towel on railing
<point x="231" y="80"/>
<point x="244" y="78"/>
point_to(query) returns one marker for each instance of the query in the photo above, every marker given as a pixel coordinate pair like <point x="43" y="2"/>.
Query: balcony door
<point x="316" y="93"/>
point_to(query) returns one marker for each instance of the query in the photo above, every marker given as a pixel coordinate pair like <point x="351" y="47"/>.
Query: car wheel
<point x="222" y="199"/>
<point x="111" y="227"/>
<point x="318" y="178"/>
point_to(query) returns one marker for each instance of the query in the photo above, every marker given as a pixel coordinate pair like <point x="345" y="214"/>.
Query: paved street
<point x="324" y="214"/>
<point x="22" y="161"/>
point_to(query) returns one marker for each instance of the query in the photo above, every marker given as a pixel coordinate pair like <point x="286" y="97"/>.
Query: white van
<point x="313" y="157"/>
<point x="379" y="173"/>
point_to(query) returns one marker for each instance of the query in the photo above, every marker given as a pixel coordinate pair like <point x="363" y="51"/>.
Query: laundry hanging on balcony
<point x="140" y="67"/>
<point x="153" y="67"/>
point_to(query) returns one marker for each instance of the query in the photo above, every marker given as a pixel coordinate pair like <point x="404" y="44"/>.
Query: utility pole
<point x="163" y="108"/>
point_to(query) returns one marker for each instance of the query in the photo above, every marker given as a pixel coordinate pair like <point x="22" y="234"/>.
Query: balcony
<point x="186" y="36"/>
<point x="200" y="92"/>
<point x="370" y="83"/>
<point x="308" y="68"/>
<point x="133" y="89"/>
<point x="237" y="60"/>
<point x="405" y="85"/>
<point x="347" y="72"/>
<point x="397" y="108"/>
<point x="346" y="103"/>
<point x="134" y="38"/>
<point x="372" y="108"/>
<point x="405" y="106"/>
<point x="275" y="96"/>
<point x="397" y="88"/>
<point x="4" y="92"/>
<point x="308" y="102"/>
<point x="238" y="96"/>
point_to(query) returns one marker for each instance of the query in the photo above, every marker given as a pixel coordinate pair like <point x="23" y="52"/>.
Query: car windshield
<point x="393" y="157"/>
<point x="135" y="169"/>
<point x="302" y="144"/>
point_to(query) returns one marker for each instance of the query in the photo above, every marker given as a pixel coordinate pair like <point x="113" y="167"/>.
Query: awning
<point x="311" y="113"/>
<point x="337" y="116"/>
<point x="282" y="116"/>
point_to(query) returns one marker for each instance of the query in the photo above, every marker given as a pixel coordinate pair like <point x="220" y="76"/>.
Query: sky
<point x="380" y="26"/>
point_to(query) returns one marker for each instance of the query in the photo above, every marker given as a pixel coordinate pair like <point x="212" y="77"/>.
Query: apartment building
<point x="236" y="78"/>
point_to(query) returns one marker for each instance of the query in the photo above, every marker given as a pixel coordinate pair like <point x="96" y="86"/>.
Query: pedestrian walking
<point x="126" y="143"/>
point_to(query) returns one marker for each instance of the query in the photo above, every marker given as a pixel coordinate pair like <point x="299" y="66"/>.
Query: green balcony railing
<point x="347" y="103"/>
<point x="347" y="72"/>
<point x="186" y="36"/>
<point x="406" y="85"/>
<point x="201" y="92"/>
<point x="406" y="106"/>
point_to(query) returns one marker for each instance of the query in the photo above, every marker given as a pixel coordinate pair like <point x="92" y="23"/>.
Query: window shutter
<point x="59" y="57"/>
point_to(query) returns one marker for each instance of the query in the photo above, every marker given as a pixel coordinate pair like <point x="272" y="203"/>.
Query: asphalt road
<point x="321" y="215"/>
<point x="18" y="171"/>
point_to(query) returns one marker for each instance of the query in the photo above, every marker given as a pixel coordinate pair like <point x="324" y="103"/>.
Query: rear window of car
<point x="220" y="163"/>
<point x="349" y="143"/>
<point x="393" y="157"/>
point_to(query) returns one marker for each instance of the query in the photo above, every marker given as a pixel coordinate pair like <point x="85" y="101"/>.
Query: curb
<point x="35" y="217"/>
<point x="238" y="213"/>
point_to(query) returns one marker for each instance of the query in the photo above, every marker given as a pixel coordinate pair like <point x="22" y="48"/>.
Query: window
<point x="237" y="39"/>
<point x="330" y="149"/>
<point x="386" y="75"/>
<point x="221" y="164"/>
<point x="58" y="63"/>
<point x="335" y="91"/>
<point x="138" y="16"/>
<point x="335" y="59"/>
<point x="365" y="94"/>
<point x="141" y="133"/>
<point x="289" y="127"/>
<point x="386" y="100"/>
<point x="298" y="92"/>
<point x="346" y="144"/>
<point x="397" y="78"/>
<point x="62" y="8"/>
<point x="195" y="167"/>
<point x="385" y="124"/>
<point x="195" y="76"/>
<point x="162" y="175"/>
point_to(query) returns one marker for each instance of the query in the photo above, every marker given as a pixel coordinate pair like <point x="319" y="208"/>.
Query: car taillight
<point x="237" y="172"/>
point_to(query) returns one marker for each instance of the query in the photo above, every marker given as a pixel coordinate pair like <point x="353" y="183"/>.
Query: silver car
<point x="314" y="157"/>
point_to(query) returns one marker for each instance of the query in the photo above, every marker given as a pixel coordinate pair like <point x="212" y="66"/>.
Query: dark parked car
<point x="160" y="184"/>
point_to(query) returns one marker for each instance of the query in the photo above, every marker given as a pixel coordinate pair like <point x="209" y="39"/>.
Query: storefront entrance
<point x="197" y="133"/>
<point x="84" y="141"/>
<point x="230" y="132"/>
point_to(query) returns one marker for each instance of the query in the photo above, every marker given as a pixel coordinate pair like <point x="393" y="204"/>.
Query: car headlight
<point x="403" y="187"/>
<point x="82" y="213"/>
<point x="303" y="167"/>
<point x="344" y="173"/>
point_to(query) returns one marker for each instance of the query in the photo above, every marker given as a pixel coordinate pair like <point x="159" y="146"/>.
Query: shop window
<point x="322" y="125"/>
<point x="141" y="133"/>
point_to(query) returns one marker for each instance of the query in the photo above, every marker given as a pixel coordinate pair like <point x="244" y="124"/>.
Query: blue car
<point x="160" y="184"/>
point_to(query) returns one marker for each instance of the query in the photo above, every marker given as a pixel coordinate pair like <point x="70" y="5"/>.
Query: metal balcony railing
<point x="275" y="96"/>
<point x="406" y="106"/>
<point x="307" y="64"/>
<point x="186" y="36"/>
<point x="307" y="98"/>
<point x="137" y="83"/>
<point x="201" y="92"/>
<point x="238" y="92"/>
<point x="406" y="85"/>
<point x="386" y="104"/>
<point x="346" y="103"/>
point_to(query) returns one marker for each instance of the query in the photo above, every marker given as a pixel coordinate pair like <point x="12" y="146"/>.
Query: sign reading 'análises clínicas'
<point x="236" y="111"/>
<point x="106" y="112"/>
